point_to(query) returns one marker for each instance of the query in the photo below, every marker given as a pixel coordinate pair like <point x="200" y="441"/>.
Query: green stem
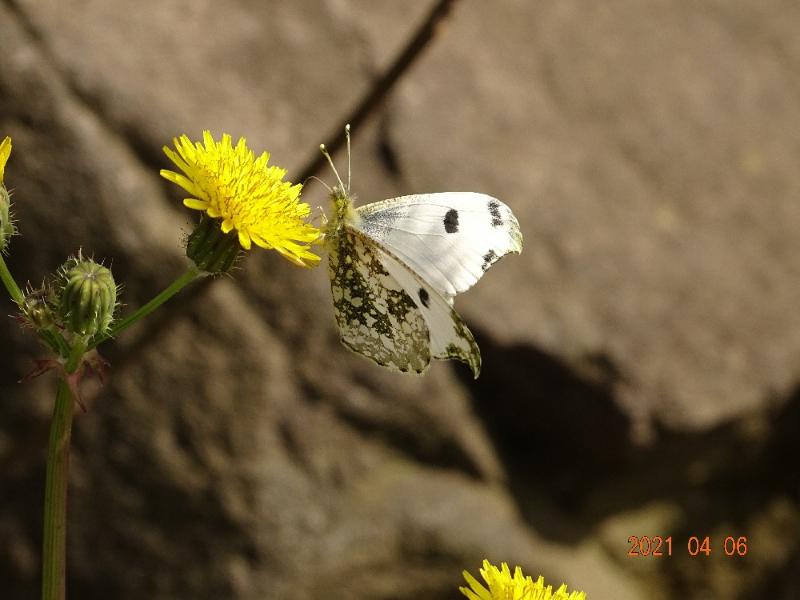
<point x="55" y="492"/>
<point x="176" y="286"/>
<point x="9" y="283"/>
<point x="56" y="342"/>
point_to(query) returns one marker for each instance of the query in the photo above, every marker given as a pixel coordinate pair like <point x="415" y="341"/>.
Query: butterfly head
<point x="340" y="194"/>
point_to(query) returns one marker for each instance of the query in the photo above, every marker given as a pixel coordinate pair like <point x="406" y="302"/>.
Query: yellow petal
<point x="195" y="204"/>
<point x="244" y="240"/>
<point x="5" y="152"/>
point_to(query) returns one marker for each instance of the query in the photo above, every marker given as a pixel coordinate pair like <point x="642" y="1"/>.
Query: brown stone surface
<point x="641" y="357"/>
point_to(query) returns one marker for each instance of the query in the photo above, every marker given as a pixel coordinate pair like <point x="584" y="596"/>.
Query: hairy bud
<point x="88" y="297"/>
<point x="37" y="307"/>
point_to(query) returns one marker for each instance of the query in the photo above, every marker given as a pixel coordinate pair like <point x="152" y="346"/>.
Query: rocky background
<point x="641" y="357"/>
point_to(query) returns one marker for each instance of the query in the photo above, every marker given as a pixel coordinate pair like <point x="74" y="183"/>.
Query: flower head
<point x="504" y="586"/>
<point x="5" y="152"/>
<point x="228" y="183"/>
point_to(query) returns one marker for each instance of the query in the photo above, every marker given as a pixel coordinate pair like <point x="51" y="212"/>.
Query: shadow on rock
<point x="571" y="461"/>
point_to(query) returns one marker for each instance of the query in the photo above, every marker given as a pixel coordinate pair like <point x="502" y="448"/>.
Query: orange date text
<point x="650" y="546"/>
<point x="696" y="546"/>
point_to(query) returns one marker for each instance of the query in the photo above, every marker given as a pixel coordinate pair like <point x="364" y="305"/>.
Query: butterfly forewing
<point x="376" y="316"/>
<point x="449" y="239"/>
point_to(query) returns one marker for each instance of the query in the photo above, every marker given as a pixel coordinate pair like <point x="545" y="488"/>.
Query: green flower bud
<point x="6" y="224"/>
<point x="210" y="249"/>
<point x="88" y="297"/>
<point x="37" y="307"/>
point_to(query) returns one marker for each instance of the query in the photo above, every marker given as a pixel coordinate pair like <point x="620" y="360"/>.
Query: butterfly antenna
<point x="327" y="187"/>
<point x="327" y="155"/>
<point x="349" y="171"/>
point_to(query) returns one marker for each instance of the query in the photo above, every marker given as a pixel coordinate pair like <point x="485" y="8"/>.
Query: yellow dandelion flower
<point x="505" y="586"/>
<point x="246" y="194"/>
<point x="5" y="152"/>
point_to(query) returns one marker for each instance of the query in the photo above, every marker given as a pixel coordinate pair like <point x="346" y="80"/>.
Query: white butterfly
<point x="396" y="265"/>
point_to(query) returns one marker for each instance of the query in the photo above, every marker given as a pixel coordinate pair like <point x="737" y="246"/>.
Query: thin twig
<point x="381" y="88"/>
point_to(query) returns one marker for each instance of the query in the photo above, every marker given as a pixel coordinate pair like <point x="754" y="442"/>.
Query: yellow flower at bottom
<point x="246" y="194"/>
<point x="505" y="586"/>
<point x="5" y="152"/>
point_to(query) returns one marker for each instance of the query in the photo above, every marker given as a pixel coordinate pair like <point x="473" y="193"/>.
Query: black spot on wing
<point x="451" y="221"/>
<point x="488" y="260"/>
<point x="424" y="297"/>
<point x="494" y="211"/>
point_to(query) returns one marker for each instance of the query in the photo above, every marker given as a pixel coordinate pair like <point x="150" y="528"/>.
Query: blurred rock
<point x="643" y="351"/>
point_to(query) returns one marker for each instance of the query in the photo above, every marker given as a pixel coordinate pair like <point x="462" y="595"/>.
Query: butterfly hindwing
<point x="376" y="316"/>
<point x="449" y="336"/>
<point x="449" y="239"/>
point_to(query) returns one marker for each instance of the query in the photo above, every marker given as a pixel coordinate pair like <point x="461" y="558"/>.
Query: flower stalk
<point x="176" y="286"/>
<point x="9" y="283"/>
<point x="54" y="544"/>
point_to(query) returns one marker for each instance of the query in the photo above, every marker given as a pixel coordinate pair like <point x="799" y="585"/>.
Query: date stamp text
<point x="702" y="546"/>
